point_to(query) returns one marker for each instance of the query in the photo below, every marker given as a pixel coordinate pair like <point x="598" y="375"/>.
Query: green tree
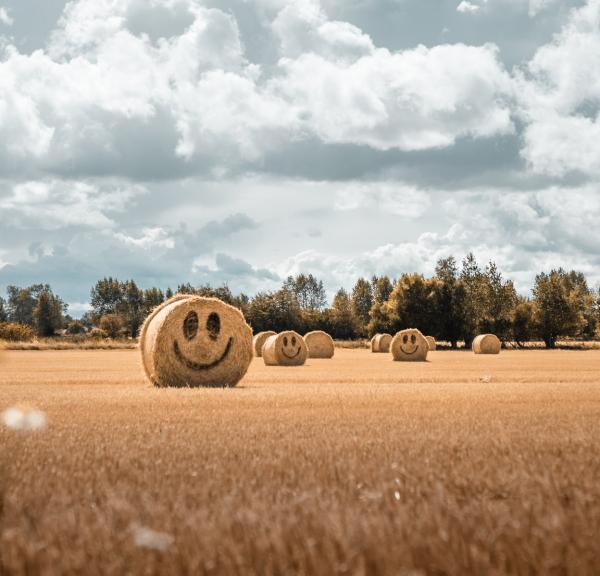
<point x="106" y="297"/>
<point x="168" y="293"/>
<point x="449" y="302"/>
<point x="500" y="299"/>
<point x="276" y="311"/>
<point x="48" y="314"/>
<point x="308" y="290"/>
<point x="362" y="301"/>
<point x="412" y="304"/>
<point x="341" y="316"/>
<point x="382" y="288"/>
<point x="577" y="285"/>
<point x="380" y="319"/>
<point x="596" y="308"/>
<point x="21" y="303"/>
<point x="153" y="297"/>
<point x="558" y="306"/>
<point x="185" y="288"/>
<point x="473" y="285"/>
<point x="523" y="321"/>
<point x="131" y="308"/>
<point x="3" y="313"/>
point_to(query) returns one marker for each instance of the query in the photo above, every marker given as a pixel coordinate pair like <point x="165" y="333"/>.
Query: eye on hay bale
<point x="486" y="344"/>
<point x="320" y="344"/>
<point x="381" y="343"/>
<point x="259" y="340"/>
<point x="285" y="349"/>
<point x="431" y="342"/>
<point x="409" y="346"/>
<point x="192" y="341"/>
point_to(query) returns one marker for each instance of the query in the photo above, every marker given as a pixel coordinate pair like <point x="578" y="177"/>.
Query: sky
<point x="241" y="141"/>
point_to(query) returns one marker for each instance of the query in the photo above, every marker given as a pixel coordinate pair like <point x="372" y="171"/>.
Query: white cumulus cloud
<point x="55" y="204"/>
<point x="468" y="7"/>
<point x="5" y="17"/>
<point x="560" y="98"/>
<point x="80" y="105"/>
<point x="411" y="100"/>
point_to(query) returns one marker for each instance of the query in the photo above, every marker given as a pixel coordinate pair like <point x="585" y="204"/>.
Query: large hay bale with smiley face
<point x="192" y="341"/>
<point x="259" y="341"/>
<point x="409" y="346"/>
<point x="487" y="344"/>
<point x="320" y="344"/>
<point x="285" y="349"/>
<point x="431" y="343"/>
<point x="380" y="343"/>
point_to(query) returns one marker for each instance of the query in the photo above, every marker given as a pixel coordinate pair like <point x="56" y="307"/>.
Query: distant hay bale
<point x="320" y="344"/>
<point x="381" y="343"/>
<point x="259" y="340"/>
<point x="431" y="342"/>
<point x="487" y="344"/>
<point x="409" y="346"/>
<point x="192" y="341"/>
<point x="285" y="349"/>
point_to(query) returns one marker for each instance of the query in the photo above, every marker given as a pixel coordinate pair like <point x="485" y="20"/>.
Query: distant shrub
<point x="98" y="334"/>
<point x="112" y="324"/>
<point x="13" y="332"/>
<point x="75" y="327"/>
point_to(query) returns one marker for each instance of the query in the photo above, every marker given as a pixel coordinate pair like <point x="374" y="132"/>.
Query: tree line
<point x="455" y="304"/>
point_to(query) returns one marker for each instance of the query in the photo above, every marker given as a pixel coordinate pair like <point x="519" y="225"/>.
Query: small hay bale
<point x="320" y="344"/>
<point x="409" y="346"/>
<point x="259" y="340"/>
<point x="192" y="341"/>
<point x="381" y="343"/>
<point x="487" y="344"/>
<point x="285" y="349"/>
<point x="431" y="342"/>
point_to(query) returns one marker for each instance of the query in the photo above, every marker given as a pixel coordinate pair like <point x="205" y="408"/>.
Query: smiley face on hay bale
<point x="192" y="341"/>
<point x="259" y="341"/>
<point x="431" y="342"/>
<point x="487" y="344"/>
<point x="320" y="344"/>
<point x="285" y="349"/>
<point x="380" y="343"/>
<point x="409" y="346"/>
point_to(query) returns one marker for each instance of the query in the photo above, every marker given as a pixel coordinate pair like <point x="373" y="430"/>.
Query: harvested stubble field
<point x="356" y="465"/>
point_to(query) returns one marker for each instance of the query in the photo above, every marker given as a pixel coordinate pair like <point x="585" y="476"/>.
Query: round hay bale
<point x="259" y="340"/>
<point x="431" y="342"/>
<point x="487" y="344"/>
<point x="409" y="346"/>
<point x="192" y="341"/>
<point x="320" y="344"/>
<point x="381" y="343"/>
<point x="285" y="349"/>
